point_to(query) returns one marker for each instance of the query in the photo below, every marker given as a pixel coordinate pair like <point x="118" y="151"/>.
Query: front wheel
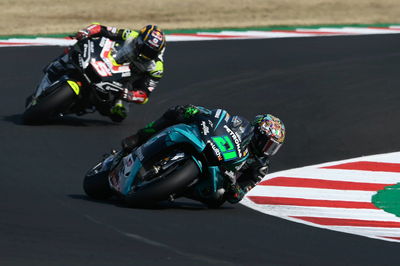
<point x="95" y="183"/>
<point x="162" y="187"/>
<point x="49" y="105"/>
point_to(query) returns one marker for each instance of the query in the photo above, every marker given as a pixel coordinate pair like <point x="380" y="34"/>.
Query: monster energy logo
<point x="190" y="111"/>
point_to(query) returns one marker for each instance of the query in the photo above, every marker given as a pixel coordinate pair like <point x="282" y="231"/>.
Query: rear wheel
<point x="48" y="106"/>
<point x="161" y="188"/>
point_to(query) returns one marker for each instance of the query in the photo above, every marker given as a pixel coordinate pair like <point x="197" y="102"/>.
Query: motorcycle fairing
<point x="227" y="137"/>
<point x="122" y="177"/>
<point x="110" y="61"/>
<point x="181" y="133"/>
<point x="102" y="60"/>
<point x="74" y="86"/>
<point x="200" y="140"/>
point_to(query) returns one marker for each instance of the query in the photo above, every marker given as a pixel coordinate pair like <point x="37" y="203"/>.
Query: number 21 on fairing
<point x="226" y="146"/>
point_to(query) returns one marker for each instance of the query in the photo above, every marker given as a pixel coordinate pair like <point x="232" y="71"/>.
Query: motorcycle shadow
<point x="63" y="121"/>
<point x="178" y="204"/>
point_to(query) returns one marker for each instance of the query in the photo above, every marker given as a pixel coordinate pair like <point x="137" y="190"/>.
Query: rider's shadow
<point x="65" y="120"/>
<point x="183" y="204"/>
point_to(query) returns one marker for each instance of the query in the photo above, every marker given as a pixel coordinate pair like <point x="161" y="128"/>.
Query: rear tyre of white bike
<point x="48" y="106"/>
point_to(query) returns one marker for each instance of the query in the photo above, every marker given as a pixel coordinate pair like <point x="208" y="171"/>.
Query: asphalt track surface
<point x="338" y="96"/>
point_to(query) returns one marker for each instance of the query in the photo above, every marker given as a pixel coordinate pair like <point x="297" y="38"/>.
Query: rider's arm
<point x="97" y="30"/>
<point x="249" y="177"/>
<point x="253" y="174"/>
<point x="140" y="90"/>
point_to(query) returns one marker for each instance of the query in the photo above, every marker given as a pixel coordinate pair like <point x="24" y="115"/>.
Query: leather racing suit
<point x="145" y="76"/>
<point x="241" y="181"/>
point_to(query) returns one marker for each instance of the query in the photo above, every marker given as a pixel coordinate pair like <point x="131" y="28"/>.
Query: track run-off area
<point x="339" y="168"/>
<point x="255" y="33"/>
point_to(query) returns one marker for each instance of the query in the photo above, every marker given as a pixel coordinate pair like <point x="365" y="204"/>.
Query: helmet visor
<point x="265" y="145"/>
<point x="147" y="53"/>
<point x="271" y="147"/>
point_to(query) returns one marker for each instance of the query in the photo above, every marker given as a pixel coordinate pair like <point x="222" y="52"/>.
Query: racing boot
<point x="144" y="134"/>
<point x="172" y="116"/>
<point x="118" y="112"/>
<point x="135" y="140"/>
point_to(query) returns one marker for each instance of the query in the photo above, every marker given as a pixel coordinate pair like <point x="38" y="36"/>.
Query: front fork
<point x="209" y="188"/>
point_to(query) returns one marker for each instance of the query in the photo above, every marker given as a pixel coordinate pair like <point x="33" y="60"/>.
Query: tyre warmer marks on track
<point x="358" y="196"/>
<point x="227" y="34"/>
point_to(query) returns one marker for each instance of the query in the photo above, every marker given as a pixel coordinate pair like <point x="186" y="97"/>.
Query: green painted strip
<point x="388" y="199"/>
<point x="192" y="31"/>
<point x="277" y="27"/>
<point x="61" y="35"/>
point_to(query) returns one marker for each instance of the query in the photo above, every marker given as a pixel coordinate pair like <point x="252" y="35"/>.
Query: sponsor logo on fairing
<point x="139" y="153"/>
<point x="85" y="50"/>
<point x="102" y="41"/>
<point x="235" y="138"/>
<point x="216" y="151"/>
<point x="126" y="74"/>
<point x="107" y="86"/>
<point x="128" y="162"/>
<point x="205" y="128"/>
<point x="112" y="29"/>
<point x="218" y="113"/>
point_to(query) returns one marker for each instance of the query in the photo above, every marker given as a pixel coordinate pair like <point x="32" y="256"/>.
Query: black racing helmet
<point x="149" y="43"/>
<point x="269" y="135"/>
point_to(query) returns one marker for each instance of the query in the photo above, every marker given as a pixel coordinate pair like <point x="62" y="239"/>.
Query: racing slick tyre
<point x="162" y="187"/>
<point x="95" y="183"/>
<point x="214" y="204"/>
<point x="48" y="105"/>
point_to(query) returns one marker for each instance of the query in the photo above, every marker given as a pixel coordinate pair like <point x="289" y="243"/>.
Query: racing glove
<point x="234" y="193"/>
<point x="135" y="96"/>
<point x="89" y="31"/>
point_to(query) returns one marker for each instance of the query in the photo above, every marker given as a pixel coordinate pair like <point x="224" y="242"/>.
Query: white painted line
<point x="350" y="211"/>
<point x="377" y="231"/>
<point x="340" y="175"/>
<point x="340" y="213"/>
<point x="312" y="193"/>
